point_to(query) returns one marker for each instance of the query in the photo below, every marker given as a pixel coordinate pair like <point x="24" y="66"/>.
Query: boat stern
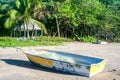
<point x="97" y="68"/>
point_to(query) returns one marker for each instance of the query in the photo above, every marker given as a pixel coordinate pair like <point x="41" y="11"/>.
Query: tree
<point x="4" y="7"/>
<point x="52" y="8"/>
<point x="55" y="12"/>
<point x="83" y="16"/>
<point x="66" y="18"/>
<point x="110" y="20"/>
<point x="22" y="12"/>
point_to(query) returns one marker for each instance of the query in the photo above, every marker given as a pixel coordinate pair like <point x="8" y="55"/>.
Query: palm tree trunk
<point x="33" y="33"/>
<point x="24" y="34"/>
<point x="14" y="33"/>
<point x="20" y="33"/>
<point x="58" y="28"/>
<point x="41" y="32"/>
<point x="28" y="34"/>
<point x="65" y="32"/>
<point x="36" y="33"/>
<point x="11" y="33"/>
<point x="26" y="26"/>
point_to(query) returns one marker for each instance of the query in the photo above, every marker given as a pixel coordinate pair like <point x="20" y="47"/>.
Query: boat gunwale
<point x="56" y="60"/>
<point x="102" y="60"/>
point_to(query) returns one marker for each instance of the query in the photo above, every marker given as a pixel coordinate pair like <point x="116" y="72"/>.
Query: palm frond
<point x="9" y="23"/>
<point x="12" y="13"/>
<point x="4" y="7"/>
<point x="18" y="4"/>
<point x="1" y="15"/>
<point x="41" y="25"/>
<point x="38" y="3"/>
<point x="27" y="19"/>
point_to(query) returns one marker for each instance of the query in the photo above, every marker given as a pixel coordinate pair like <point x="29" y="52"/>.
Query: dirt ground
<point x="14" y="65"/>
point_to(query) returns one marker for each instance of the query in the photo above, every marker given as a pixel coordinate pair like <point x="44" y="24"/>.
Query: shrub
<point x="116" y="40"/>
<point x="53" y="39"/>
<point x="88" y="39"/>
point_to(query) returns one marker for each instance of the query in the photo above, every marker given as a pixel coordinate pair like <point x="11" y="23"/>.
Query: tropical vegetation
<point x="76" y="19"/>
<point x="39" y="41"/>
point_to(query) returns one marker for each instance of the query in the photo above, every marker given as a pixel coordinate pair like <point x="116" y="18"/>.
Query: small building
<point x="27" y="31"/>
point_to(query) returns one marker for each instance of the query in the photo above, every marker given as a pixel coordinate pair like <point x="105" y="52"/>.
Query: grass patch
<point x="88" y="39"/>
<point x="117" y="40"/>
<point x="39" y="41"/>
<point x="53" y="39"/>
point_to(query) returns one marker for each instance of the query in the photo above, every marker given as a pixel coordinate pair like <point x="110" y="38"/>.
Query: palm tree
<point x="4" y="7"/>
<point x="22" y="13"/>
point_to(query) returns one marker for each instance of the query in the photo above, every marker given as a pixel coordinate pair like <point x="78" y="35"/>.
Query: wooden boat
<point x="66" y="62"/>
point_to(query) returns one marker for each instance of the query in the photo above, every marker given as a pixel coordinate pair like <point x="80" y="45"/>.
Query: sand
<point x="14" y="65"/>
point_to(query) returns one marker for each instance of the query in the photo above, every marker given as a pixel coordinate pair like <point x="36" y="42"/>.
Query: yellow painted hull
<point x="67" y="62"/>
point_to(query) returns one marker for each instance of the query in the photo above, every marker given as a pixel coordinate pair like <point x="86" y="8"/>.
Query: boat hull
<point x="80" y="65"/>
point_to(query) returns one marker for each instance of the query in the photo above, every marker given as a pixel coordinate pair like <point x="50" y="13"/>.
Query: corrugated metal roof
<point x="30" y="26"/>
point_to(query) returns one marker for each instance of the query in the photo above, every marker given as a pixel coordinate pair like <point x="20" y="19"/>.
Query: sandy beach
<point x="14" y="65"/>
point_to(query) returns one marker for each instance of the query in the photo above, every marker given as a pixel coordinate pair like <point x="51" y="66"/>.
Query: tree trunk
<point x="14" y="33"/>
<point x="58" y="28"/>
<point x="35" y="33"/>
<point x="28" y="34"/>
<point x="24" y="34"/>
<point x="20" y="33"/>
<point x="73" y="29"/>
<point x="32" y="33"/>
<point x="65" y="32"/>
<point x="11" y="33"/>
<point x="73" y="33"/>
<point x="25" y="25"/>
<point x="41" y="32"/>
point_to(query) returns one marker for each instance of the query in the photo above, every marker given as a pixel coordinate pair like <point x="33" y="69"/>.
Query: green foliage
<point x="1" y="15"/>
<point x="9" y="22"/>
<point x="88" y="39"/>
<point x="22" y="12"/>
<point x="18" y="4"/>
<point x="41" y="25"/>
<point x="3" y="7"/>
<point x="65" y="18"/>
<point x="40" y="41"/>
<point x="116" y="40"/>
<point x="53" y="39"/>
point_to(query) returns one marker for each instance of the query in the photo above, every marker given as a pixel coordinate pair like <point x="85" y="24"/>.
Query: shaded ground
<point x="14" y="65"/>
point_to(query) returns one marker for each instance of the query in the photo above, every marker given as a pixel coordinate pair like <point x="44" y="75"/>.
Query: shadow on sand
<point x="27" y="64"/>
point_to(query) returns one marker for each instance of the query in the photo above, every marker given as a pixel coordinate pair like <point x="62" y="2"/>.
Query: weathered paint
<point x="102" y="64"/>
<point x="95" y="68"/>
<point x="83" y="65"/>
<point x="41" y="61"/>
